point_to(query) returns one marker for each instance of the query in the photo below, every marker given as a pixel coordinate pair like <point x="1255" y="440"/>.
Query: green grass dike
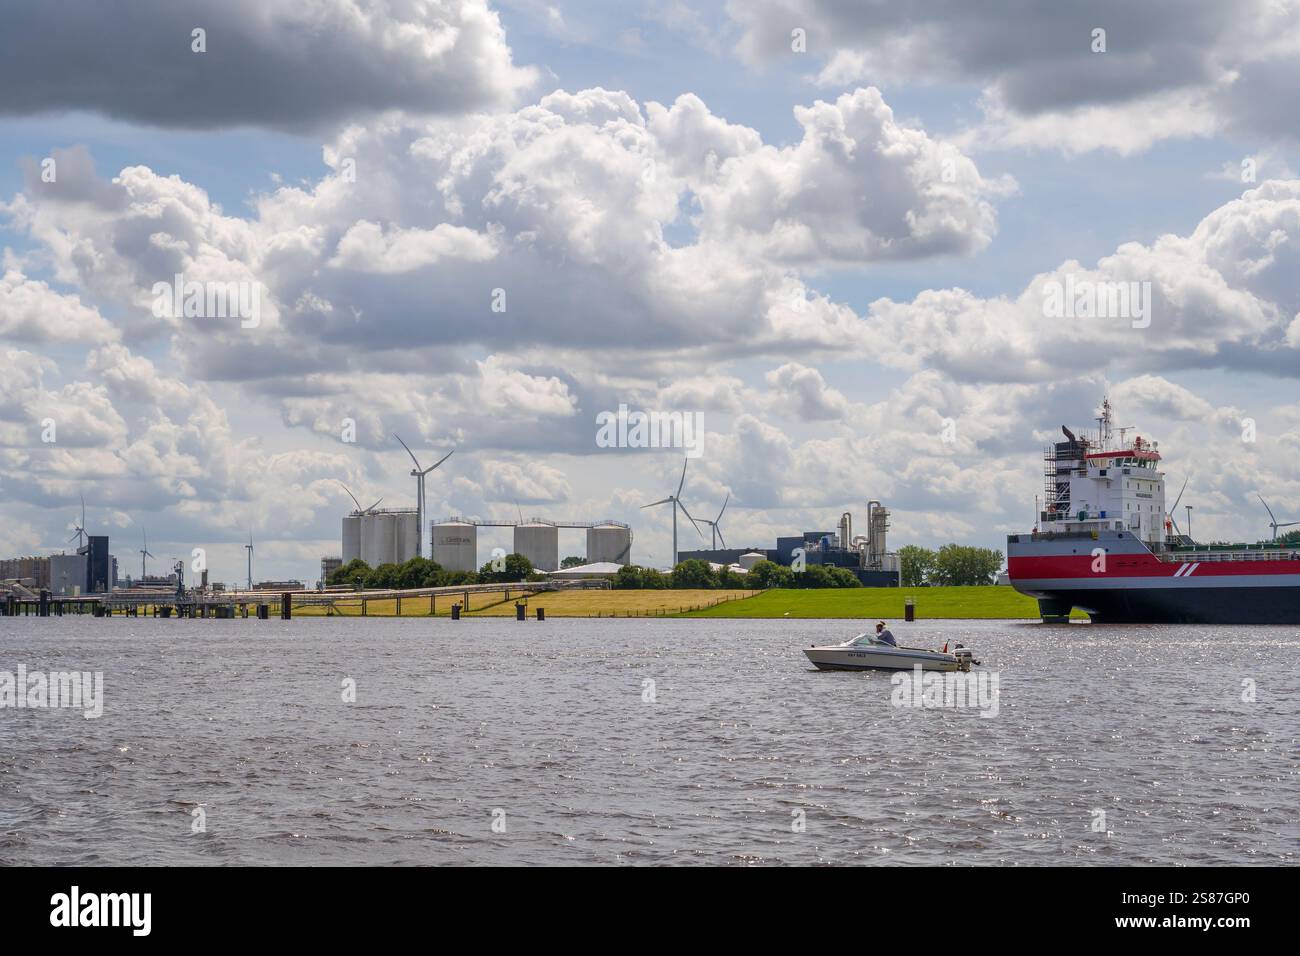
<point x="992" y="602"/>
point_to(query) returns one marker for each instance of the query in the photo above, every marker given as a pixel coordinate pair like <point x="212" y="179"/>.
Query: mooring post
<point x="44" y="609"/>
<point x="521" y="611"/>
<point x="541" y="614"/>
<point x="909" y="609"/>
<point x="286" y="606"/>
<point x="455" y="612"/>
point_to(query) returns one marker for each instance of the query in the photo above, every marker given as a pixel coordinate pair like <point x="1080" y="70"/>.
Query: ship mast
<point x="1104" y="425"/>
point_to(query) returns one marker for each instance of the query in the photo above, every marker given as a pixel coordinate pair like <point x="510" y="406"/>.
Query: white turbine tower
<point x="677" y="503"/>
<point x="716" y="526"/>
<point x="1273" y="522"/>
<point x="418" y="474"/>
<point x="249" y="548"/>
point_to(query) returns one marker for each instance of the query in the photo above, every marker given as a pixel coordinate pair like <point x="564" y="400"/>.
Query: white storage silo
<point x="455" y="545"/>
<point x="407" y="533"/>
<point x="751" y="558"/>
<point x="369" y="530"/>
<point x="386" y="539"/>
<point x="378" y="538"/>
<point x="609" y="542"/>
<point x="351" y="537"/>
<point x="539" y="542"/>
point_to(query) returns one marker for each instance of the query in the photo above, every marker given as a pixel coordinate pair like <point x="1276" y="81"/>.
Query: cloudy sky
<point x="827" y="227"/>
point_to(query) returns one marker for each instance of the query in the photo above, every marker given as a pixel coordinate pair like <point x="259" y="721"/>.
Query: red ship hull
<point x="1115" y="578"/>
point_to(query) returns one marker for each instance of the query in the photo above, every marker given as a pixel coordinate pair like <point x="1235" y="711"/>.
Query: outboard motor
<point x="965" y="656"/>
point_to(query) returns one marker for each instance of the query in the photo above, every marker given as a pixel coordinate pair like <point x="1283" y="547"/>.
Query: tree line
<point x="699" y="574"/>
<point x="951" y="566"/>
<point x="424" y="573"/>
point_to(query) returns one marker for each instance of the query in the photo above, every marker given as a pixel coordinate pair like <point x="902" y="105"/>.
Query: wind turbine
<point x="144" y="552"/>
<point x="717" y="528"/>
<point x="80" y="533"/>
<point x="1273" y="523"/>
<point x="677" y="503"/>
<point x="418" y="475"/>
<point x="249" y="548"/>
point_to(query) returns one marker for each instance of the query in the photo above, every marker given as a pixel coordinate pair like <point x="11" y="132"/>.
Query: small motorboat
<point x="867" y="652"/>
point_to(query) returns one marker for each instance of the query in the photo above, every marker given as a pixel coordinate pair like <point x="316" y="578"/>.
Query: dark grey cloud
<point x="1037" y="57"/>
<point x="270" y="63"/>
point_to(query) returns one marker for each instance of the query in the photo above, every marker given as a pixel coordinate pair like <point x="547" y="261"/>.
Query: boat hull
<point x="1133" y="586"/>
<point x="879" y="659"/>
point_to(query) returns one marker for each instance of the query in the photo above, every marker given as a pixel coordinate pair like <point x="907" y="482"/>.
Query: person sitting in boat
<point x="883" y="635"/>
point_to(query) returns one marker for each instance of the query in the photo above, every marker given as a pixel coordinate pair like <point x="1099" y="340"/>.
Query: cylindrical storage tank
<point x="351" y="538"/>
<point x="378" y="539"/>
<point x="369" y="531"/>
<point x="747" y="561"/>
<point x="455" y="545"/>
<point x="539" y="542"/>
<point x="407" y="535"/>
<point x="609" y="542"/>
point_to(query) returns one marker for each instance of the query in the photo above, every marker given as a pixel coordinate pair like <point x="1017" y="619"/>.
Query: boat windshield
<point x="862" y="640"/>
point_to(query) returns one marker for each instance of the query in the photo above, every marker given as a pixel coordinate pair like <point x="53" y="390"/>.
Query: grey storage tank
<point x="455" y="544"/>
<point x="378" y="534"/>
<point x="406" y="535"/>
<point x="609" y="541"/>
<point x="539" y="542"/>
<point x="351" y="537"/>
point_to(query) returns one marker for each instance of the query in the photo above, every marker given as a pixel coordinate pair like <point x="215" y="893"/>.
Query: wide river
<point x="647" y="742"/>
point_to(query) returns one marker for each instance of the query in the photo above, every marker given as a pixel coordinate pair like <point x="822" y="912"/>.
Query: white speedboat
<point x="866" y="652"/>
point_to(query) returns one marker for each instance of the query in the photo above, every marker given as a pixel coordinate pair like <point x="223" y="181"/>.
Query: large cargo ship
<point x="1106" y="544"/>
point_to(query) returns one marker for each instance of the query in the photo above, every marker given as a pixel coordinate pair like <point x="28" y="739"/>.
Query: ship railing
<point x="1185" y="556"/>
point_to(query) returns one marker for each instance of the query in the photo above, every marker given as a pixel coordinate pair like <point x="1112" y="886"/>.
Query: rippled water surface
<point x="547" y="726"/>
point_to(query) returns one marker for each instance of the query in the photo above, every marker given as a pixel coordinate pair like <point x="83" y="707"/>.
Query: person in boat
<point x="883" y="635"/>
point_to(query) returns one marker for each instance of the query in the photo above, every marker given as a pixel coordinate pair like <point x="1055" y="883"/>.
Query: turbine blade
<point x="720" y="537"/>
<point x="408" y="450"/>
<point x="439" y="461"/>
<point x="1271" y="516"/>
<point x="681" y="483"/>
<point x="692" y="520"/>
<point x="662" y="501"/>
<point x="350" y="494"/>
<point x="1180" y="495"/>
<point x="374" y="506"/>
<point x="724" y="507"/>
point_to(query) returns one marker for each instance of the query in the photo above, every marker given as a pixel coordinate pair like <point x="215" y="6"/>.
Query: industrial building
<point x="328" y="566"/>
<point x="865" y="555"/>
<point x="100" y="570"/>
<point x="31" y="572"/>
<point x="67" y="574"/>
<point x="92" y="570"/>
